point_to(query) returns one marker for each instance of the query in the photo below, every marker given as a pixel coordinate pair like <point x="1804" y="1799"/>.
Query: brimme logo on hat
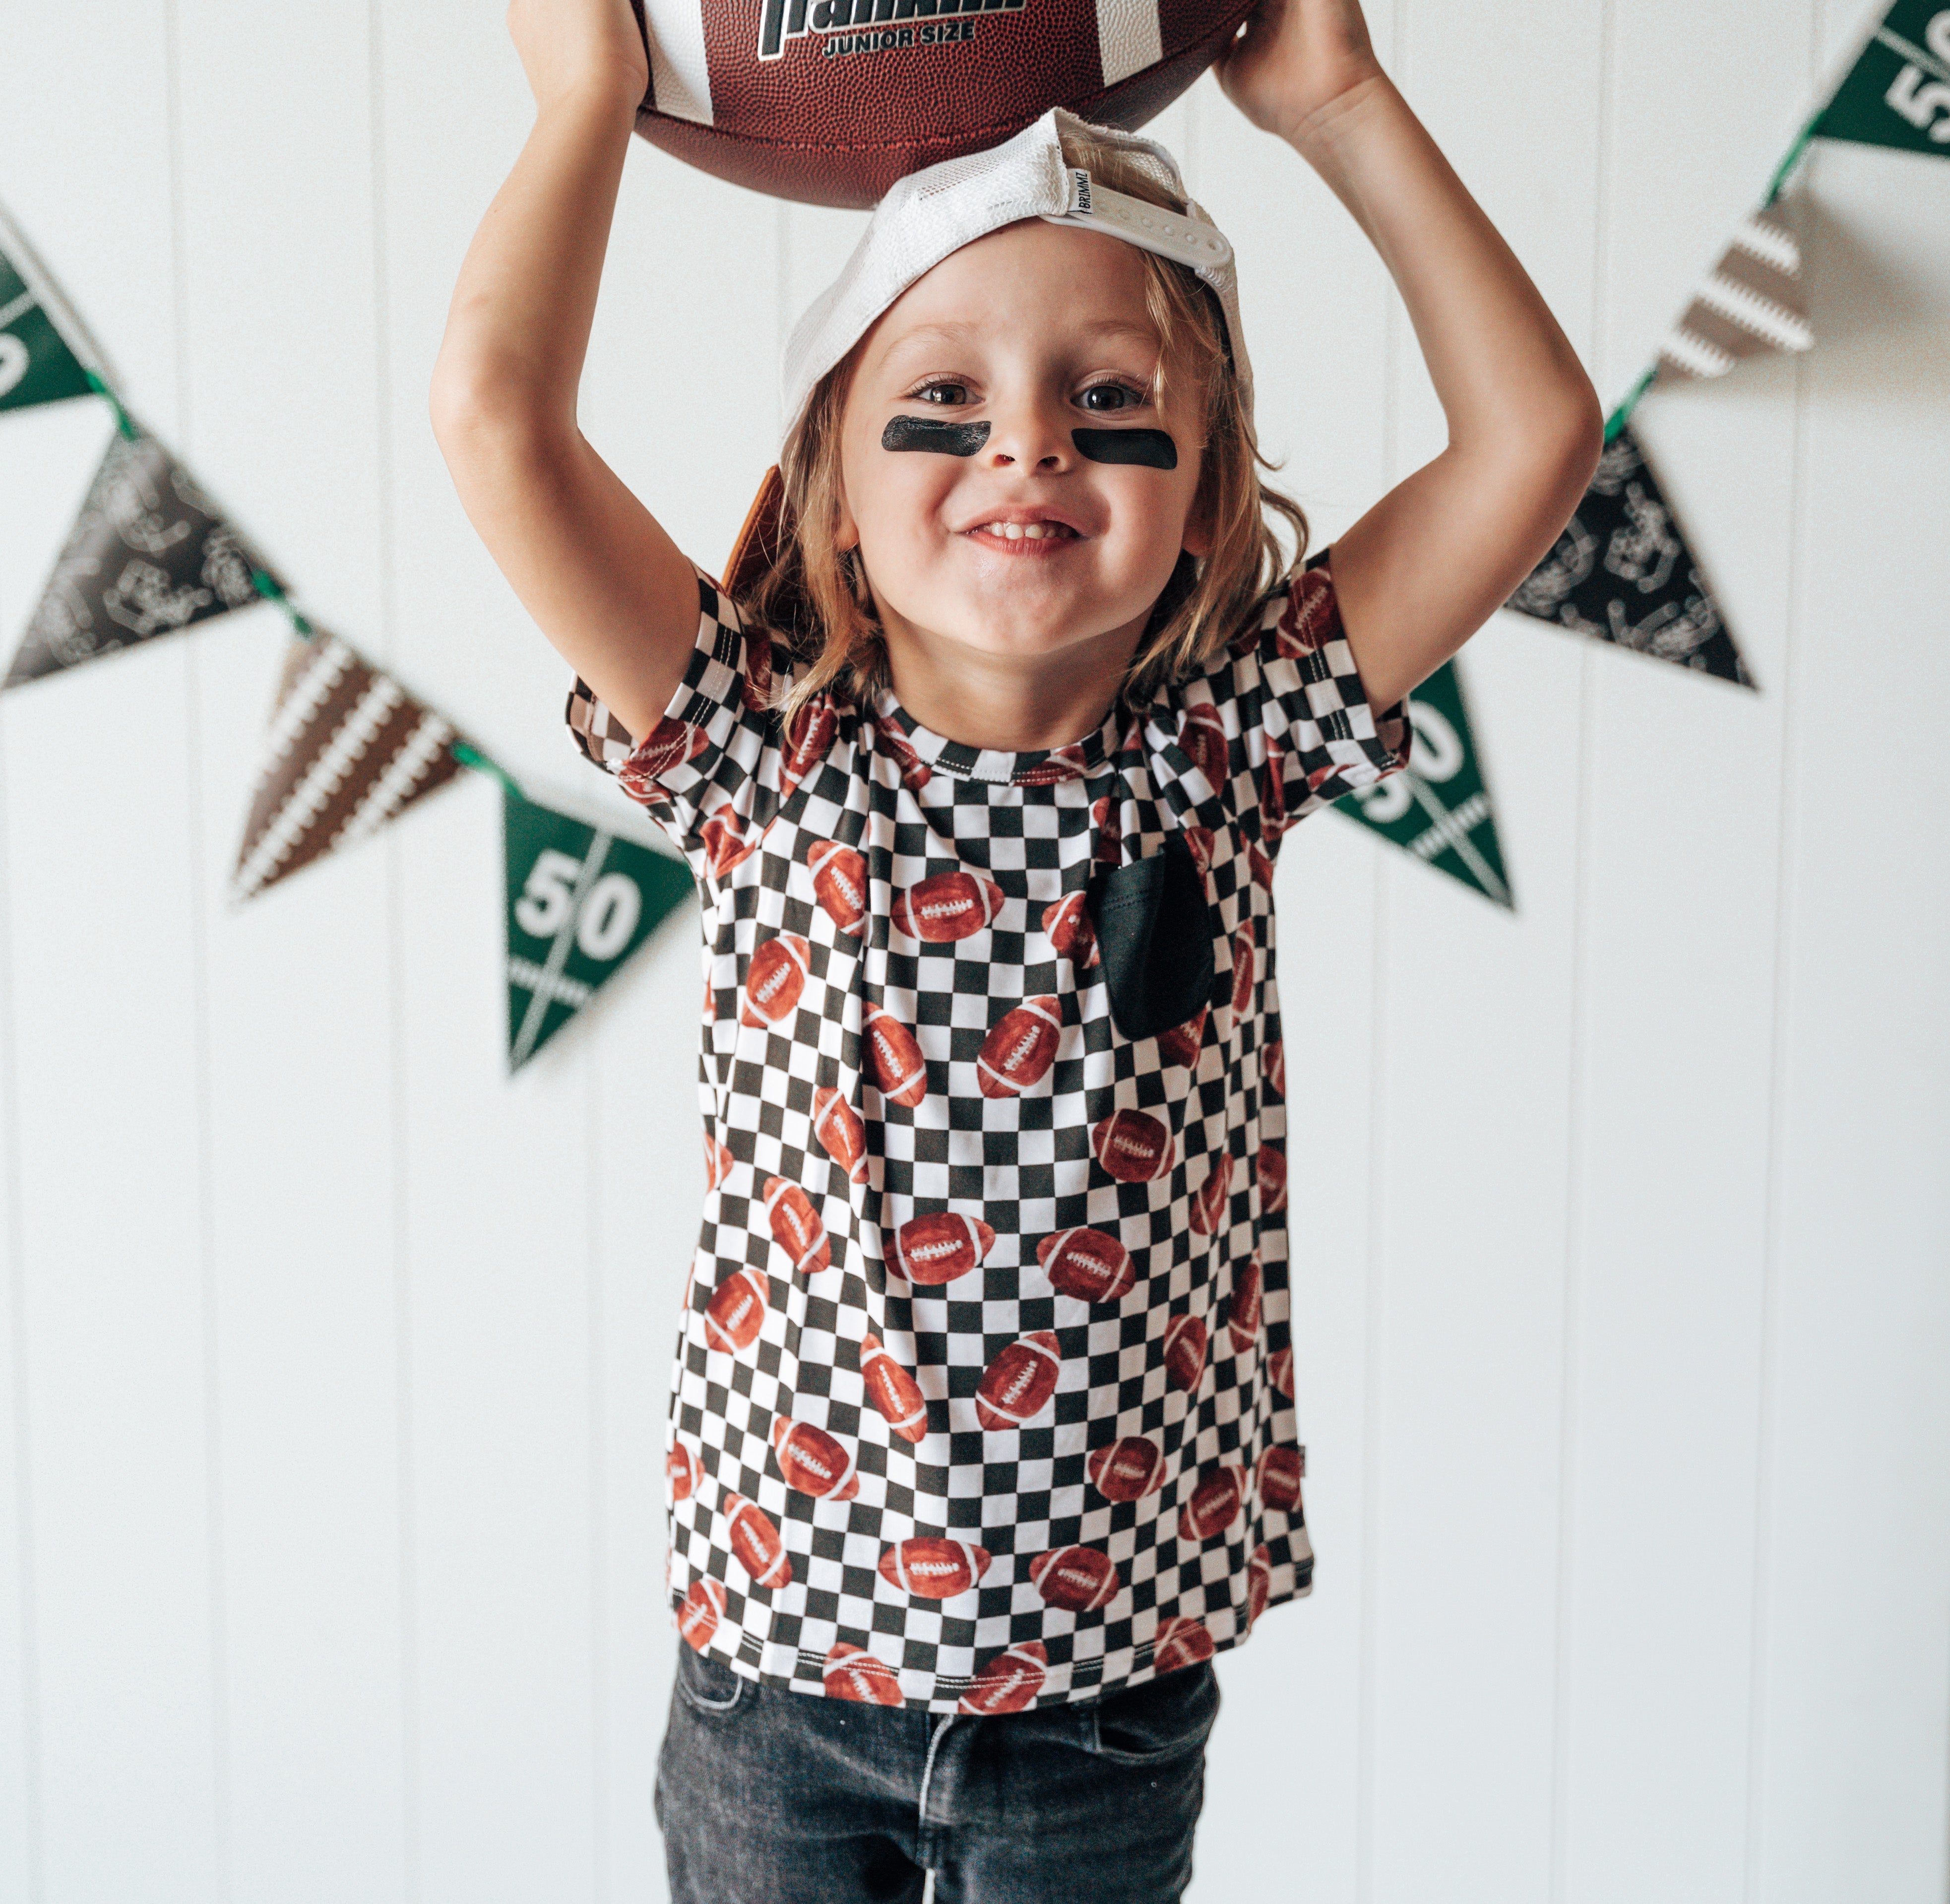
<point x="788" y="19"/>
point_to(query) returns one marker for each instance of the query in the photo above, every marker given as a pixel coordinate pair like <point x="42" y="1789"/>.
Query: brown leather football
<point x="830" y="101"/>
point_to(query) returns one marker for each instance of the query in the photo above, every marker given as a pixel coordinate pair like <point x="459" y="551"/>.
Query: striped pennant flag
<point x="348" y="748"/>
<point x="1438" y="809"/>
<point x="580" y="902"/>
<point x="1750" y="305"/>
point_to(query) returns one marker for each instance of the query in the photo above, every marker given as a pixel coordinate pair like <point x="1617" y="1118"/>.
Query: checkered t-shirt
<point x="984" y="1388"/>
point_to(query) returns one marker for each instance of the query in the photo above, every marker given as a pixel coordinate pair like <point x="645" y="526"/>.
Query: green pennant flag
<point x="37" y="366"/>
<point x="580" y="901"/>
<point x="1438" y="808"/>
<point x="1897" y="93"/>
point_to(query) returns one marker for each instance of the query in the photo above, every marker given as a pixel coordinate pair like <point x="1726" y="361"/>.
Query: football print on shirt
<point x="984" y="1381"/>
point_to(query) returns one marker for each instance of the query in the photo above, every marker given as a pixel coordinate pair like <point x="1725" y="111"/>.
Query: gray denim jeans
<point x="769" y="1796"/>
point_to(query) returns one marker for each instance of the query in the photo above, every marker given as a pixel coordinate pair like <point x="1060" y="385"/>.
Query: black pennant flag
<point x="1622" y="571"/>
<point x="148" y="556"/>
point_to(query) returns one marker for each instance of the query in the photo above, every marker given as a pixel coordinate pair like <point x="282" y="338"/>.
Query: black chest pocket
<point x="1154" y="935"/>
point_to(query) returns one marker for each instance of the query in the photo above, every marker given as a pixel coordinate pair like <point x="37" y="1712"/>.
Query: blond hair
<point x="814" y="596"/>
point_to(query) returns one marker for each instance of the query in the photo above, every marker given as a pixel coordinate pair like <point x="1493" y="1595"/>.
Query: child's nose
<point x="1029" y="435"/>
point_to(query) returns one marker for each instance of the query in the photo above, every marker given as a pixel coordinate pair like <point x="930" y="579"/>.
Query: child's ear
<point x="846" y="532"/>
<point x="1197" y="539"/>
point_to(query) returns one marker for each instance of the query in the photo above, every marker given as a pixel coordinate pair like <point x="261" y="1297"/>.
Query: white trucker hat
<point x="935" y="211"/>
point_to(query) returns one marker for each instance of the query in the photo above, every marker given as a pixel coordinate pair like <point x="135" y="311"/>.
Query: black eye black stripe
<point x="1153" y="449"/>
<point x="923" y="433"/>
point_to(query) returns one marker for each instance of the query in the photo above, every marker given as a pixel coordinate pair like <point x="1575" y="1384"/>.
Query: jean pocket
<point x="1163" y="1719"/>
<point x="708" y="1685"/>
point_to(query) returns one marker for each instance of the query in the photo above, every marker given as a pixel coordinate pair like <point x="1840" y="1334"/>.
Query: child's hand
<point x="1295" y="57"/>
<point x="571" y="47"/>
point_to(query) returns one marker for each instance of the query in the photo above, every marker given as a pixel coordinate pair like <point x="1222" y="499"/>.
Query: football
<point x="774" y="980"/>
<point x="892" y="1390"/>
<point x="1279" y="1371"/>
<point x="1199" y="842"/>
<point x="1273" y="820"/>
<point x="725" y="845"/>
<point x="947" y="907"/>
<point x="940" y="1246"/>
<point x="813" y="1462"/>
<point x="1244" y="968"/>
<point x="670" y="743"/>
<point x="718" y="1161"/>
<point x="1305" y="621"/>
<point x="1071" y="930"/>
<point x="932" y="1568"/>
<point x="1132" y="1146"/>
<point x="703" y="1606"/>
<point x="1181" y="1045"/>
<point x="796" y="1228"/>
<point x="1128" y="1469"/>
<point x="830" y="101"/>
<point x="1259" y="1583"/>
<point x="1208" y="1207"/>
<point x="1087" y="1264"/>
<point x="1202" y="739"/>
<point x="808" y="738"/>
<point x="1185" y="1353"/>
<point x="1259" y="867"/>
<point x="912" y="769"/>
<point x="1242" y="1312"/>
<point x="1018" y="1053"/>
<point x="1273" y="1067"/>
<point x="681" y="1472"/>
<point x="839" y="884"/>
<point x="1273" y="1180"/>
<point x="1215" y="1503"/>
<point x="736" y="1311"/>
<point x="1080" y="1579"/>
<point x="1017" y="1384"/>
<point x="1180" y="1643"/>
<point x="894" y="1061"/>
<point x="853" y="1672"/>
<point x="754" y="1541"/>
<point x="841" y="1134"/>
<point x="1280" y="1471"/>
<point x="1009" y="1681"/>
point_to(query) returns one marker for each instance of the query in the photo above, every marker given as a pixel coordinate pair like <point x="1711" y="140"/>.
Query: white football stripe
<point x="680" y="74"/>
<point x="1128" y="39"/>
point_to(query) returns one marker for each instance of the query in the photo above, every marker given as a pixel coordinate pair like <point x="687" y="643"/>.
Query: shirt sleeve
<point x="1287" y="704"/>
<point x="719" y="760"/>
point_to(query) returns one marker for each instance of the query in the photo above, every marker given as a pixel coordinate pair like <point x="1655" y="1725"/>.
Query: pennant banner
<point x="1621" y="572"/>
<point x="1898" y="93"/>
<point x="1438" y="808"/>
<point x="580" y="901"/>
<point x="148" y="554"/>
<point x="1751" y="304"/>
<point x="348" y="748"/>
<point x="37" y="366"/>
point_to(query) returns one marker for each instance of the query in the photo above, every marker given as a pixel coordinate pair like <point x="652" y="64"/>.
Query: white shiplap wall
<point x="329" y="1547"/>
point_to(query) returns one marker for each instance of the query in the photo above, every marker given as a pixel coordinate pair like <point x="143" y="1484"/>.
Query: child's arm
<point x="1421" y="572"/>
<point x="605" y="583"/>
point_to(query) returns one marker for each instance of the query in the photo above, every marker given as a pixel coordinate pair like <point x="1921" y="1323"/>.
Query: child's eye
<point x="1105" y="398"/>
<point x="943" y="394"/>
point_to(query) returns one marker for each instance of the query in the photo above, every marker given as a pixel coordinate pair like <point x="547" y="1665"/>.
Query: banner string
<point x="473" y="758"/>
<point x="124" y="421"/>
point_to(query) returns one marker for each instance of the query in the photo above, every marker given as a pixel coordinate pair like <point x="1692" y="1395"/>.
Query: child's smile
<point x="1018" y="494"/>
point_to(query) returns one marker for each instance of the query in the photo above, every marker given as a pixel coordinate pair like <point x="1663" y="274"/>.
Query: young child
<point x="983" y="1441"/>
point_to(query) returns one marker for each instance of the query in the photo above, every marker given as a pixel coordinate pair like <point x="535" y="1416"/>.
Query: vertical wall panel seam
<point x="1571" y="1311"/>
<point x="203" y="1108"/>
<point x="599" y="1542"/>
<point x="1761" y="1602"/>
<point x="407" y="1656"/>
<point x="34" y="1852"/>
<point x="1367" y="1744"/>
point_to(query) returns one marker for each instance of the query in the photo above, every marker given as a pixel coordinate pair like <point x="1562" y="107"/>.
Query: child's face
<point x="1036" y="332"/>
